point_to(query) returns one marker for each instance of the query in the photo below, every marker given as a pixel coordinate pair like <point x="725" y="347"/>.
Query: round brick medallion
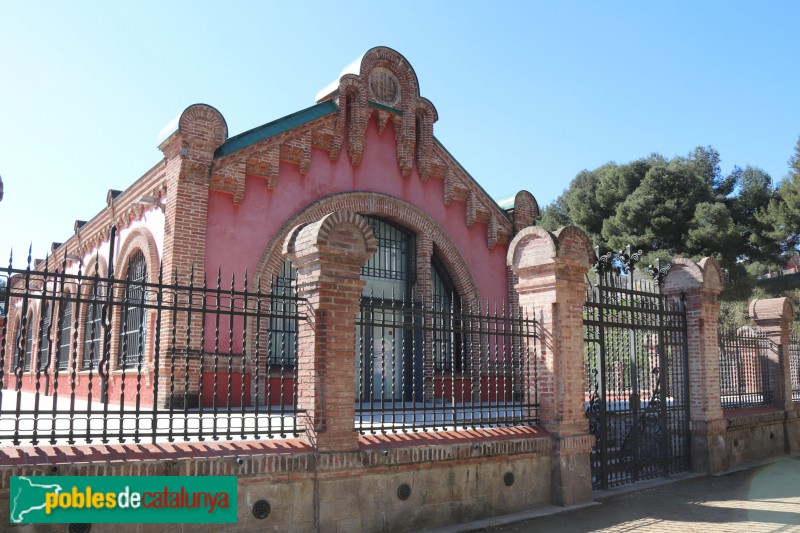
<point x="384" y="86"/>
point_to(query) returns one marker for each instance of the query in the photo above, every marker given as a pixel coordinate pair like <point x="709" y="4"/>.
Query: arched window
<point x="65" y="342"/>
<point x="29" y="344"/>
<point x="44" y="342"/>
<point x="446" y="310"/>
<point x="282" y="334"/>
<point x="388" y="271"/>
<point x="92" y="328"/>
<point x="132" y="332"/>
<point x="384" y="352"/>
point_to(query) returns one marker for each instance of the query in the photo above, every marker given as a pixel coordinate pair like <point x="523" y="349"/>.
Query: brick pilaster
<point x="699" y="284"/>
<point x="328" y="255"/>
<point x="424" y="294"/>
<point x="189" y="153"/>
<point x="550" y="271"/>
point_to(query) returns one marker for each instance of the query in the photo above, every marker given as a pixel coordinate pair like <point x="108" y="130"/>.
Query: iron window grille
<point x="132" y="334"/>
<point x="391" y="261"/>
<point x="28" y="345"/>
<point x="93" y="327"/>
<point x="44" y="341"/>
<point x="282" y="335"/>
<point x="447" y="352"/>
<point x="65" y="345"/>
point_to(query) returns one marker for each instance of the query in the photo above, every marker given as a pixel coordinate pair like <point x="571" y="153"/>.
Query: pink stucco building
<point x="223" y="206"/>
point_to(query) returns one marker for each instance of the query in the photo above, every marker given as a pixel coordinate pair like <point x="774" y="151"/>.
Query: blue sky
<point x="528" y="93"/>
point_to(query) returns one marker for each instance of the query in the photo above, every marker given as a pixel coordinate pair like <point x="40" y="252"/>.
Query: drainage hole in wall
<point x="79" y="528"/>
<point x="261" y="509"/>
<point x="771" y="436"/>
<point x="404" y="491"/>
<point x="508" y="479"/>
<point x="53" y="469"/>
<point x="735" y="443"/>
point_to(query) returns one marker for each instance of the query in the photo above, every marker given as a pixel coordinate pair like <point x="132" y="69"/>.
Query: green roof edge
<point x="270" y="129"/>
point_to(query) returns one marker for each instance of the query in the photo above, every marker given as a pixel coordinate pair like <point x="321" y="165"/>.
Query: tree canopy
<point x="685" y="206"/>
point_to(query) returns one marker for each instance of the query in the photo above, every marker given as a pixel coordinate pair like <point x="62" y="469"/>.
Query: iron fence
<point x="432" y="366"/>
<point x="86" y="357"/>
<point x="744" y="372"/>
<point x="794" y="365"/>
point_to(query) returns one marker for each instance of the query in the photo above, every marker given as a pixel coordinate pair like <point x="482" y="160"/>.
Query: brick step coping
<point x="104" y="453"/>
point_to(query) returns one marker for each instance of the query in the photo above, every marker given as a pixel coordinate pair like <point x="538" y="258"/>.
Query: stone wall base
<point x="451" y="478"/>
<point x="745" y="436"/>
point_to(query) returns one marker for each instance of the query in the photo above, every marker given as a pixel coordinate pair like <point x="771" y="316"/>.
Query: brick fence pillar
<point x="775" y="316"/>
<point x="328" y="255"/>
<point x="550" y="269"/>
<point x="699" y="284"/>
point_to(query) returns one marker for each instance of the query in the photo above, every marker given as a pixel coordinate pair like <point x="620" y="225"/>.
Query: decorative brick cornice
<point x="263" y="159"/>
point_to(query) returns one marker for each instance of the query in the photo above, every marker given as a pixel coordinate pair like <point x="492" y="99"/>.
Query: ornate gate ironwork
<point x="636" y="361"/>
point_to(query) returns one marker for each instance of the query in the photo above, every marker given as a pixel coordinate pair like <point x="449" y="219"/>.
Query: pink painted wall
<point x="239" y="235"/>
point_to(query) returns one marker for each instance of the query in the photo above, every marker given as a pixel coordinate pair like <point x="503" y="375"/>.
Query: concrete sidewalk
<point x="761" y="499"/>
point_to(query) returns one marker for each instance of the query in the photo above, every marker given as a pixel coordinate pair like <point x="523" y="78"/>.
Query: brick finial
<point x="328" y="255"/>
<point x="687" y="275"/>
<point x="772" y="312"/>
<point x="526" y="210"/>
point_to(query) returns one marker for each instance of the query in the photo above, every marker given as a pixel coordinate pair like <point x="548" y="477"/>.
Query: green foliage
<point x="782" y="216"/>
<point x="685" y="206"/>
<point x="656" y="215"/>
<point x="555" y="215"/>
<point x="713" y="233"/>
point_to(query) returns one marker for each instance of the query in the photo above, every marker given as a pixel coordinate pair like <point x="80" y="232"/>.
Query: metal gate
<point x="636" y="361"/>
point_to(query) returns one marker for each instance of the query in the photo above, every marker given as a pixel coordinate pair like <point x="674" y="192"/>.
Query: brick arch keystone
<point x="387" y="207"/>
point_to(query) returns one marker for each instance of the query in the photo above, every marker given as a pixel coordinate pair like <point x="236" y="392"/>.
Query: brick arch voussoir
<point x="98" y="265"/>
<point x="138" y="239"/>
<point x="383" y="206"/>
